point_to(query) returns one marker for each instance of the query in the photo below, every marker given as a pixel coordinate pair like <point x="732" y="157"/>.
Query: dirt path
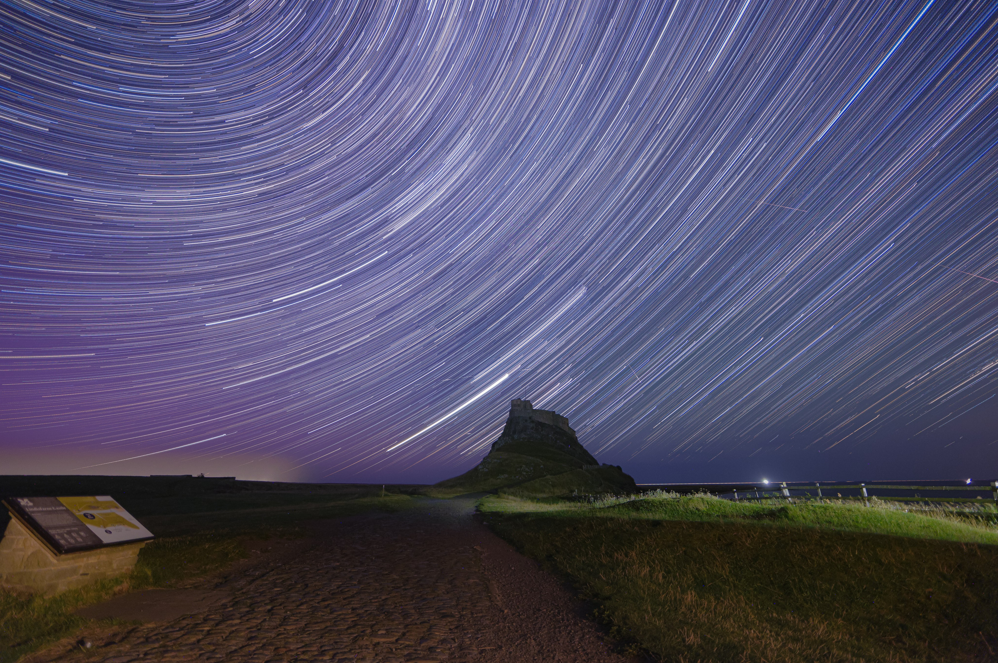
<point x="429" y="584"/>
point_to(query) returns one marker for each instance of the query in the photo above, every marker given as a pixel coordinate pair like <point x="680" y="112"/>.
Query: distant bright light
<point x="968" y="481"/>
<point x="765" y="481"/>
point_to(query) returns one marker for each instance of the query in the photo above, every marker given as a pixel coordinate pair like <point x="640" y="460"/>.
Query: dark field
<point x="202" y="526"/>
<point x="156" y="500"/>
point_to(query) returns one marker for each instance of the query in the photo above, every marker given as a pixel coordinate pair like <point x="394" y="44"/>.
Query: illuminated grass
<point x="702" y="579"/>
<point x="879" y="518"/>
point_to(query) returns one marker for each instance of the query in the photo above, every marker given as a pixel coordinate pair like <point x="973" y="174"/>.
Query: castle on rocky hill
<point x="521" y="408"/>
<point x="544" y="427"/>
<point x="537" y="455"/>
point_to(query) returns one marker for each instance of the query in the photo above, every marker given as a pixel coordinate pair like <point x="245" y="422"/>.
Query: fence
<point x="949" y="492"/>
<point x="955" y="494"/>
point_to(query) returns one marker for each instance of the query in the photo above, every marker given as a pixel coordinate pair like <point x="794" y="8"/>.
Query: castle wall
<point x="523" y="408"/>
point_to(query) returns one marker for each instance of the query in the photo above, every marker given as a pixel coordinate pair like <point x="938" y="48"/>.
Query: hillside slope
<point x="537" y="455"/>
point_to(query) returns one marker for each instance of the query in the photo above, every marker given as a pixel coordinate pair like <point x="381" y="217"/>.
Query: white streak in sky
<point x="453" y="412"/>
<point x="529" y="339"/>
<point x="332" y="280"/>
<point x="122" y="460"/>
<point x="17" y="164"/>
<point x="730" y="32"/>
<point x="870" y="77"/>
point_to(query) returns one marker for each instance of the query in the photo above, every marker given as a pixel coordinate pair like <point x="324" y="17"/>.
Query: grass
<point x="880" y="518"/>
<point x="702" y="579"/>
<point x="28" y="623"/>
<point x="284" y="518"/>
<point x="188" y="546"/>
<point x="605" y="480"/>
<point x="529" y="469"/>
<point x="503" y="468"/>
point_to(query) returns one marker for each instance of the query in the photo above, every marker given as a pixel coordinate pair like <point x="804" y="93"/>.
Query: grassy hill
<point x="698" y="578"/>
<point x="585" y="481"/>
<point x="529" y="468"/>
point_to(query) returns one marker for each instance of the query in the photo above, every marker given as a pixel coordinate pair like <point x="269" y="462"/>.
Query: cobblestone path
<point x="429" y="584"/>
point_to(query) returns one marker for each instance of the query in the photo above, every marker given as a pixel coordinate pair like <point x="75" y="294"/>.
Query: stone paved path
<point x="430" y="584"/>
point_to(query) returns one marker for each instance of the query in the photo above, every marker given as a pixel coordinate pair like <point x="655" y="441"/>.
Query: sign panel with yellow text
<point x="72" y="524"/>
<point x="106" y="518"/>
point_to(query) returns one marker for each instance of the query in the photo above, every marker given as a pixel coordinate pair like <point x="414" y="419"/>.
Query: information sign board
<point x="71" y="524"/>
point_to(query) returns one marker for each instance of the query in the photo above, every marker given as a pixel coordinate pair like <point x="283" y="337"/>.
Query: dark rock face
<point x="538" y="455"/>
<point x="541" y="427"/>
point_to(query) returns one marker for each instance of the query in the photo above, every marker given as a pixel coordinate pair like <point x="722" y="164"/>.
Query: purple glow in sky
<point x="322" y="241"/>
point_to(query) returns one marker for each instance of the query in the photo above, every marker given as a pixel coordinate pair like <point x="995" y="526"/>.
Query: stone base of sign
<point x="27" y="564"/>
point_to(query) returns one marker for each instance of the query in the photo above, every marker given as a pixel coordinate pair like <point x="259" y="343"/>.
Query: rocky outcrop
<point x="538" y="454"/>
<point x="544" y="427"/>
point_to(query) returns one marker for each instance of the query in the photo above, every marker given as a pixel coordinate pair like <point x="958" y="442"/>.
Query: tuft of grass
<point x="701" y="508"/>
<point x="29" y="622"/>
<point x="168" y="561"/>
<point x="702" y="579"/>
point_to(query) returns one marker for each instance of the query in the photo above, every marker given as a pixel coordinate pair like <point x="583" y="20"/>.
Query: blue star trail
<point x="330" y="241"/>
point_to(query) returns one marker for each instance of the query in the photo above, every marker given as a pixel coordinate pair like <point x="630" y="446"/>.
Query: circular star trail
<point x="330" y="241"/>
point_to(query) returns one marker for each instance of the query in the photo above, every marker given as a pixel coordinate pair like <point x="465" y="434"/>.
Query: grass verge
<point x="28" y="622"/>
<point x="187" y="547"/>
<point x="702" y="579"/>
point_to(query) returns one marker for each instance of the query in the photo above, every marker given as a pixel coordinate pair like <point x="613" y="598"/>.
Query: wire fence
<point x="963" y="494"/>
<point x="952" y="494"/>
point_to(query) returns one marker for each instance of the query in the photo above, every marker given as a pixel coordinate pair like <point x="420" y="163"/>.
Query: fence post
<point x="994" y="490"/>
<point x="783" y="489"/>
<point x="862" y="487"/>
<point x="757" y="494"/>
<point x="818" y="486"/>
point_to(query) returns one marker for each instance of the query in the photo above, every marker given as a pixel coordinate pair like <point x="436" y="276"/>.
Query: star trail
<point x="330" y="241"/>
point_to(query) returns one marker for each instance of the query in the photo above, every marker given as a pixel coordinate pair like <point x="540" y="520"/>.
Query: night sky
<point x="319" y="241"/>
